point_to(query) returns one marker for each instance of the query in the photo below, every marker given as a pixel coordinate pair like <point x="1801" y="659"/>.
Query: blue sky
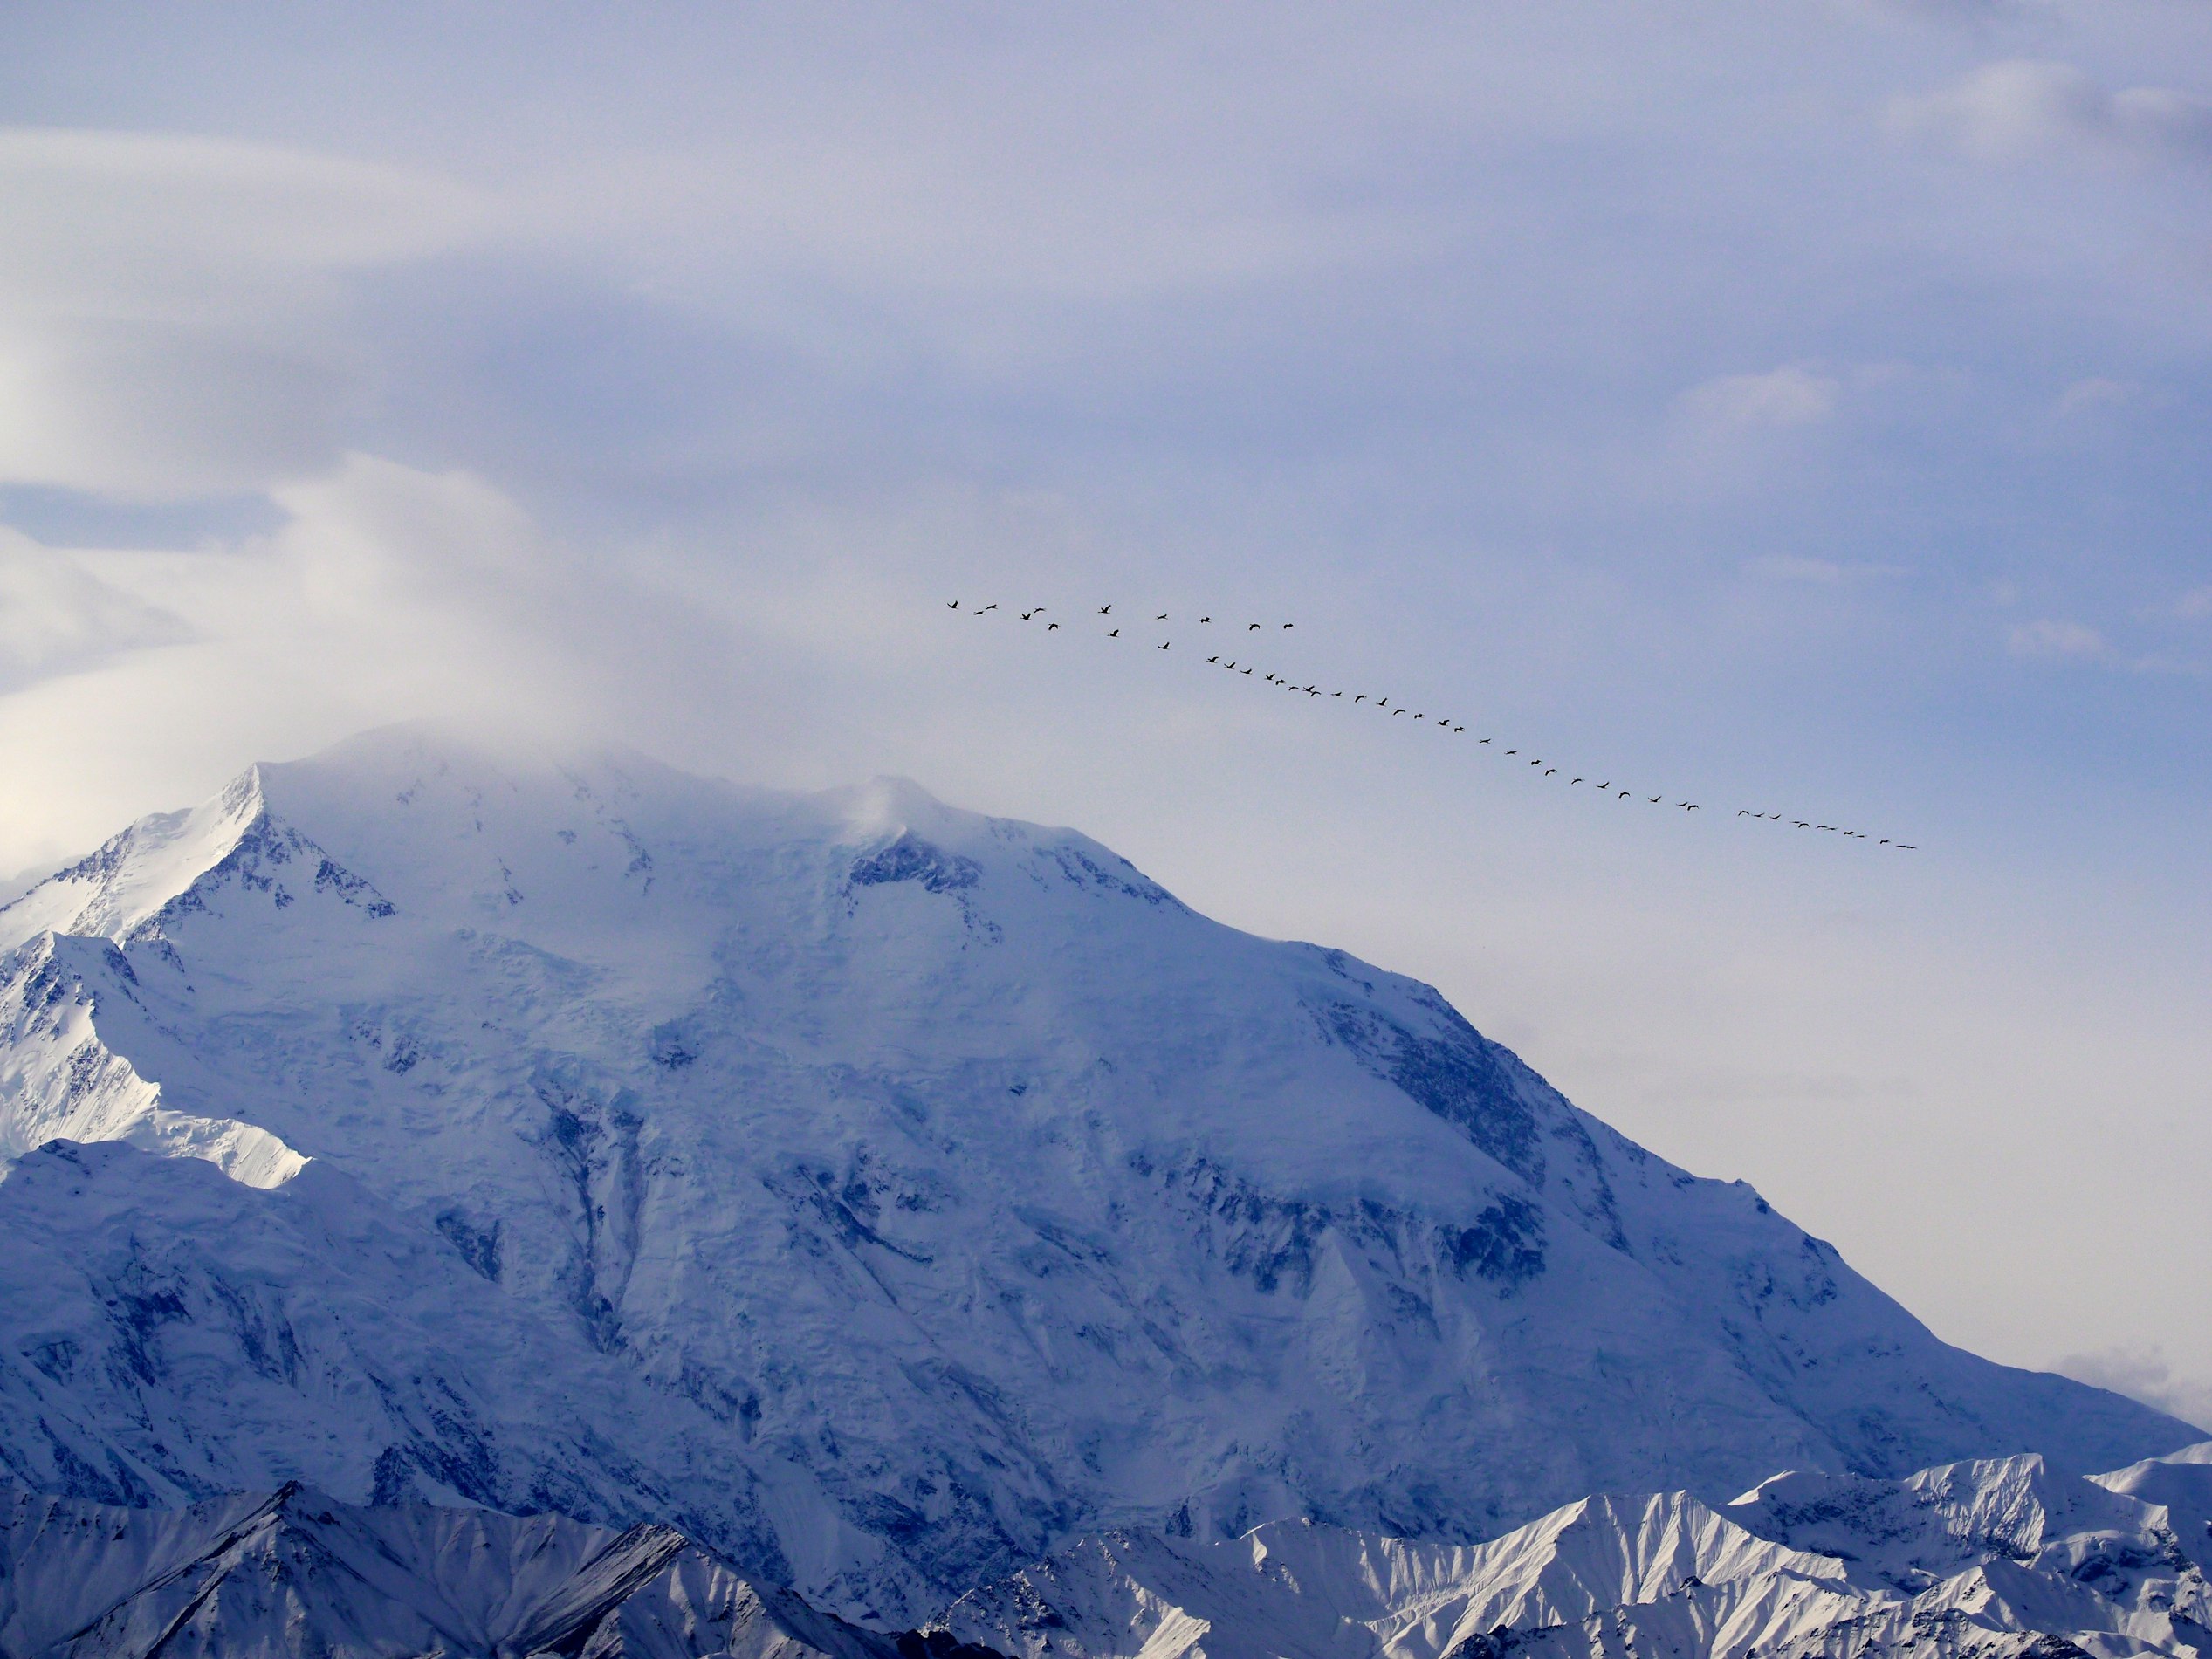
<point x="1801" y="405"/>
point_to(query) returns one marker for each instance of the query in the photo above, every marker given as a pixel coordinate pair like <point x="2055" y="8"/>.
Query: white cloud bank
<point x="165" y="303"/>
<point x="2144" y="1374"/>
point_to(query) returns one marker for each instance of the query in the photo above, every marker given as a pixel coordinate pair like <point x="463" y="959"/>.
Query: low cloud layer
<point x="2144" y="1374"/>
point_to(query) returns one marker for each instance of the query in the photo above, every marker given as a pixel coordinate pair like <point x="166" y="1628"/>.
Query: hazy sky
<point x="1793" y="405"/>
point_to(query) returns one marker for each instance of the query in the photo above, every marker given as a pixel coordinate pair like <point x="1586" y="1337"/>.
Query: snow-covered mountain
<point x="883" y="1194"/>
<point x="1991" y="1558"/>
<point x="2000" y="1560"/>
<point x="296" y="1573"/>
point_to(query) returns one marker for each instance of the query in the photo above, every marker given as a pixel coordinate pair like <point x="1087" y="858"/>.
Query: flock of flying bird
<point x="1241" y="664"/>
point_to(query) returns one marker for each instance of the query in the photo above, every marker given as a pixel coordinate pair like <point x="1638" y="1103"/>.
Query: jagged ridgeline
<point x="882" y="1194"/>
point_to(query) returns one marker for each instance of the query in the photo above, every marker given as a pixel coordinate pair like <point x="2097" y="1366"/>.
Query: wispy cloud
<point x="2024" y="107"/>
<point x="2050" y="640"/>
<point x="1788" y="396"/>
<point x="56" y="617"/>
<point x="1819" y="572"/>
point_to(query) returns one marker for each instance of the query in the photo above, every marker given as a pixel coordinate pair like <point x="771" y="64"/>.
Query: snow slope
<point x="911" y="1191"/>
<point x="1989" y="1558"/>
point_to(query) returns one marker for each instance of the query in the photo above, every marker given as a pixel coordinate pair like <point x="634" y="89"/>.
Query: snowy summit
<point x="886" y="1196"/>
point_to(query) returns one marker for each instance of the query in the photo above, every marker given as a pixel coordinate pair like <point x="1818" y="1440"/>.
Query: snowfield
<point x="885" y="1197"/>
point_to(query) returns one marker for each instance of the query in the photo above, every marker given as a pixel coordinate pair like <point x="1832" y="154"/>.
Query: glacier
<point x="887" y="1196"/>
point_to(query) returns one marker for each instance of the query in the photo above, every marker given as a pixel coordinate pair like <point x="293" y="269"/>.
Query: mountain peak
<point x="935" y="1182"/>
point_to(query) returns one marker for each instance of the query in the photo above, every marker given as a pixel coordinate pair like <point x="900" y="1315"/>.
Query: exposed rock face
<point x="885" y="1194"/>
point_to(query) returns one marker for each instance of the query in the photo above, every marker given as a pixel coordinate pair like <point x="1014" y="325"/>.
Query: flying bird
<point x="1250" y="628"/>
<point x="1655" y="800"/>
<point x="1115" y="635"/>
<point x="1572" y="781"/>
<point x="954" y="606"/>
<point x="1103" y="609"/>
<point x="1214" y="659"/>
<point x="1162" y="617"/>
<point x="1025" y="615"/>
<point x="1165" y="644"/>
<point x="991" y="606"/>
<point x="1052" y="628"/>
<point x="1290" y="625"/>
<point x="1550" y="770"/>
<point x="1206" y="619"/>
<point x="1247" y="671"/>
<point x="1399" y="710"/>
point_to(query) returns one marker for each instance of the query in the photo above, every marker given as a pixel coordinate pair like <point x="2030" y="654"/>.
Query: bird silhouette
<point x="990" y="608"/>
<point x="1743" y="811"/>
<point x="1052" y="628"/>
<point x="1459" y="728"/>
<point x="1162" y="617"/>
<point x="1247" y="671"/>
<point x="1290" y="625"/>
<point x="1655" y="800"/>
<point x="1206" y="619"/>
<point x="1105" y="610"/>
<point x="1230" y="665"/>
<point x="1251" y="627"/>
<point x="1213" y="659"/>
<point x="1907" y="846"/>
<point x="1572" y="781"/>
<point x="1487" y="740"/>
<point x="1513" y="751"/>
<point x="1362" y="697"/>
<point x="1624" y="794"/>
<point x="1399" y="710"/>
<point x="1550" y="770"/>
<point x="1025" y="615"/>
<point x="1336" y="693"/>
<point x="1608" y="784"/>
<point x="954" y="606"/>
<point x="1164" y="644"/>
<point x="1115" y="635"/>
